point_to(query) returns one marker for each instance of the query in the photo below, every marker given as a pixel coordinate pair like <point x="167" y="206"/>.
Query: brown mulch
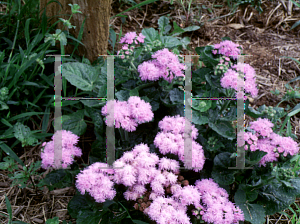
<point x="266" y="37"/>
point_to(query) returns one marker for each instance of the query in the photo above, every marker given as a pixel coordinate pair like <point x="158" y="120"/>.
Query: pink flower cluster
<point x="249" y="72"/>
<point x="130" y="39"/>
<point x="167" y="211"/>
<point x="218" y="209"/>
<point x="140" y="168"/>
<point x="227" y="48"/>
<point x="271" y="142"/>
<point x="97" y="180"/>
<point x="68" y="149"/>
<point x="166" y="65"/>
<point x="231" y="79"/>
<point x="127" y="114"/>
<point x="171" y="140"/>
<point x="223" y="65"/>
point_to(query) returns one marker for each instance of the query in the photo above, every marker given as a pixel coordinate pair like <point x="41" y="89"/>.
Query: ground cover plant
<point x="150" y="133"/>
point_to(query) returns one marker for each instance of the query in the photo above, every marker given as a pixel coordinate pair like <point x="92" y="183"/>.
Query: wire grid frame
<point x="110" y="134"/>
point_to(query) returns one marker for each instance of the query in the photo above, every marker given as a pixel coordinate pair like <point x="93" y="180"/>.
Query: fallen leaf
<point x="236" y="26"/>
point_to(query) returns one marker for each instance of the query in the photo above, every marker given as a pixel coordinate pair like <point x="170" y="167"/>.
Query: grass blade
<point x="10" y="153"/>
<point x="79" y="36"/>
<point x="46" y="120"/>
<point x="9" y="210"/>
<point x="6" y="122"/>
<point x="27" y="38"/>
<point x="28" y="114"/>
<point x="136" y="6"/>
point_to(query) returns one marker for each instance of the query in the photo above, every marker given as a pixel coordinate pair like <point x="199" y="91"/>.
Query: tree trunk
<point x="96" y="27"/>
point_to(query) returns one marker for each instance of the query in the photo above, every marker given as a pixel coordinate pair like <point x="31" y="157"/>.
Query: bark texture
<point x="96" y="28"/>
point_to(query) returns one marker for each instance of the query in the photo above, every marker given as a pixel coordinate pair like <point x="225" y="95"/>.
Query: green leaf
<point x="23" y="134"/>
<point x="253" y="213"/>
<point x="170" y="42"/>
<point x="137" y="52"/>
<point x="89" y="217"/>
<point x="74" y="8"/>
<point x="201" y="105"/>
<point x="177" y="30"/>
<point x="191" y="28"/>
<point x="251" y="193"/>
<point x="252" y="112"/>
<point x="75" y="123"/>
<point x="93" y="103"/>
<point x="224" y="178"/>
<point x="62" y="37"/>
<point x="10" y="153"/>
<point x="176" y="96"/>
<point x="206" y="55"/>
<point x="221" y="174"/>
<point x="185" y="41"/>
<point x="225" y="38"/>
<point x="150" y="35"/>
<point x="3" y="106"/>
<point x="77" y="204"/>
<point x="55" y="220"/>
<point x="81" y="75"/>
<point x="97" y="120"/>
<point x="66" y="23"/>
<point x="163" y="25"/>
<point x="139" y="222"/>
<point x="123" y="95"/>
<point x="134" y="92"/>
<point x="57" y="179"/>
<point x="223" y="128"/>
<point x="255" y="157"/>
<point x="112" y="37"/>
<point x="199" y="118"/>
<point x="275" y="197"/>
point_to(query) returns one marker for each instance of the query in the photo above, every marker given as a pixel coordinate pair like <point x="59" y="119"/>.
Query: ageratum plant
<point x="145" y="182"/>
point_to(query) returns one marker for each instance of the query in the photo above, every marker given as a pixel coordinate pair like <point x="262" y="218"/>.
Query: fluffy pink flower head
<point x="141" y="38"/>
<point x="266" y="146"/>
<point x="165" y="65"/>
<point x="249" y="73"/>
<point x="228" y="48"/>
<point x="148" y="71"/>
<point x="231" y="79"/>
<point x="69" y="151"/>
<point x="262" y="126"/>
<point x="188" y="195"/>
<point x="172" y="138"/>
<point x="284" y="145"/>
<point x="128" y="38"/>
<point x="218" y="209"/>
<point x="167" y="210"/>
<point x="140" y="110"/>
<point x="138" y="159"/>
<point x="168" y="60"/>
<point x="127" y="114"/>
<point x="97" y="181"/>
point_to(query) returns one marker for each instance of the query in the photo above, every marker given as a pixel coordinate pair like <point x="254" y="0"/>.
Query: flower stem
<point x="131" y="63"/>
<point x="225" y="105"/>
<point x="124" y="137"/>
